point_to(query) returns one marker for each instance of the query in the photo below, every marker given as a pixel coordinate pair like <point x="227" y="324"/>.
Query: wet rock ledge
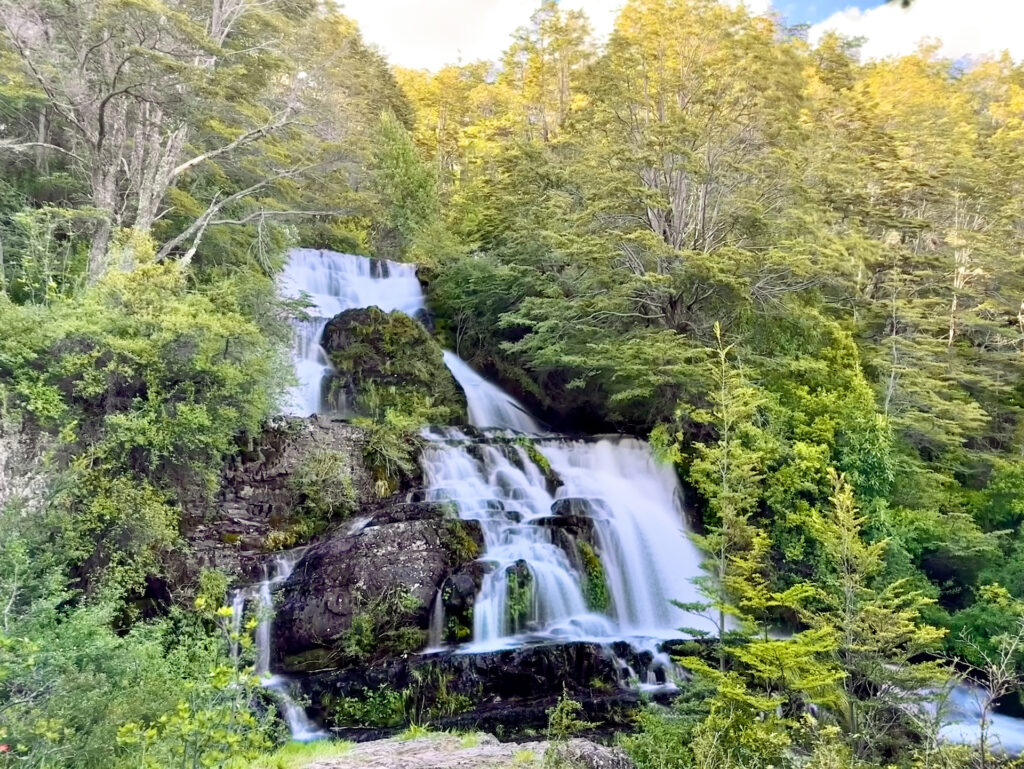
<point x="506" y="692"/>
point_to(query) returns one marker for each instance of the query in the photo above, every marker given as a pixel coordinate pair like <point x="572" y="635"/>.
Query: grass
<point x="296" y="755"/>
<point x="469" y="740"/>
<point x="524" y="758"/>
<point x="416" y="732"/>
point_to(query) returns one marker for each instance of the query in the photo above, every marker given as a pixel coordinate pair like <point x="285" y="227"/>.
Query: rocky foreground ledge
<point x="472" y="752"/>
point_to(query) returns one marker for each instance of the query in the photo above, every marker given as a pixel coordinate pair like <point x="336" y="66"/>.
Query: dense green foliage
<point x="150" y="189"/>
<point x="799" y="274"/>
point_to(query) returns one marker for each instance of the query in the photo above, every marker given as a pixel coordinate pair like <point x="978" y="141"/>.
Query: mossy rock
<point x="388" y="361"/>
<point x="595" y="582"/>
<point x="519" y="605"/>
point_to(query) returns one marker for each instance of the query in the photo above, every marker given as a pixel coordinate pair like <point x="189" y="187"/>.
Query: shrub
<point x="323" y="486"/>
<point x="383" y="626"/>
<point x="564" y="718"/>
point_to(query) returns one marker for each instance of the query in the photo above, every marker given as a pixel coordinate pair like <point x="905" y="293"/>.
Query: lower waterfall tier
<point x="583" y="539"/>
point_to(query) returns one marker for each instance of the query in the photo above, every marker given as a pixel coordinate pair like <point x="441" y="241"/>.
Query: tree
<point x="542" y="66"/>
<point x="728" y="473"/>
<point x="125" y="88"/>
<point x="880" y="631"/>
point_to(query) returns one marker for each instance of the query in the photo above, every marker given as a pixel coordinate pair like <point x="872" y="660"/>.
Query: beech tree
<point x="127" y="87"/>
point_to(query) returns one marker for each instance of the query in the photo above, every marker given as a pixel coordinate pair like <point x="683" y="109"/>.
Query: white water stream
<point x="333" y="283"/>
<point x="261" y="596"/>
<point x="633" y="500"/>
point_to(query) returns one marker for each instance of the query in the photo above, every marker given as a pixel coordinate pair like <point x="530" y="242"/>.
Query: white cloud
<point x="964" y="28"/>
<point x="431" y="33"/>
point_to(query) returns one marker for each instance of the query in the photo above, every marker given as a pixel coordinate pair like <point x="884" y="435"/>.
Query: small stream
<point x="260" y="598"/>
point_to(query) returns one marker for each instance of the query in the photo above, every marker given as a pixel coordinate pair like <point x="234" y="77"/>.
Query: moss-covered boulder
<point x="365" y="592"/>
<point x="386" y="361"/>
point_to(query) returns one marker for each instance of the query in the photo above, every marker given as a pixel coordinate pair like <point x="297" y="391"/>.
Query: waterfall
<point x="301" y="727"/>
<point x="333" y="283"/>
<point x="533" y="587"/>
<point x="502" y="489"/>
<point x="489" y="405"/>
<point x="636" y="503"/>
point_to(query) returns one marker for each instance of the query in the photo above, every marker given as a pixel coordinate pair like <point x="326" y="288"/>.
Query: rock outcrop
<point x="259" y="494"/>
<point x="507" y="692"/>
<point x="474" y="751"/>
<point x="23" y="476"/>
<point x="374" y="581"/>
<point x="389" y="361"/>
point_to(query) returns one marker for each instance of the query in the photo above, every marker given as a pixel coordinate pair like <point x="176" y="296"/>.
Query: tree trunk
<point x="98" y="251"/>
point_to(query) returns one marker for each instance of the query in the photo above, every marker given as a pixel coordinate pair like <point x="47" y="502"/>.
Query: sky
<point x="431" y="33"/>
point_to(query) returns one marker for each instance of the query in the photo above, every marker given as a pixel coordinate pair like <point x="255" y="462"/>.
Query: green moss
<point x="534" y="454"/>
<point x="389" y="362"/>
<point x="459" y="542"/>
<point x="383" y="627"/>
<point x="459" y="629"/>
<point x="296" y="532"/>
<point x="296" y="755"/>
<point x="595" y="583"/>
<point x="520" y="596"/>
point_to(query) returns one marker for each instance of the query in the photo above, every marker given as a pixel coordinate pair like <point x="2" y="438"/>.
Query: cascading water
<point x="634" y="501"/>
<point x="302" y="729"/>
<point x="636" y="506"/>
<point x="499" y="486"/>
<point x="616" y="483"/>
<point x="489" y="405"/>
<point x="333" y="283"/>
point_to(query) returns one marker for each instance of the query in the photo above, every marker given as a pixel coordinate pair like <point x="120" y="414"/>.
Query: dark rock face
<point x="395" y="357"/>
<point x="406" y="550"/>
<point x="258" y="496"/>
<point x="579" y="507"/>
<point x="507" y="691"/>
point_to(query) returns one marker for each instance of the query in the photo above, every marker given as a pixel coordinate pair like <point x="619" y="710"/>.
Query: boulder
<point x="366" y="592"/>
<point x="580" y="507"/>
<point x="584" y="754"/>
<point x="391" y="360"/>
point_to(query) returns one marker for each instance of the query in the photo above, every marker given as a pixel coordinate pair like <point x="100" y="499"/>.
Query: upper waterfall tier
<point x="489" y="405"/>
<point x="333" y="283"/>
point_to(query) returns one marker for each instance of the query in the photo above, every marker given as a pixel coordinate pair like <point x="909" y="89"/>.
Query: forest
<point x="796" y="273"/>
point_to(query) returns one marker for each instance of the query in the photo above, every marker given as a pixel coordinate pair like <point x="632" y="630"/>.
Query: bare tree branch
<point x="255" y="215"/>
<point x="6" y="144"/>
<point x="198" y="227"/>
<point x="246" y="138"/>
